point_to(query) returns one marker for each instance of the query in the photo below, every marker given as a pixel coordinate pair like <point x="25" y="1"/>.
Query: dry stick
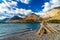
<point x="53" y="29"/>
<point x="48" y="29"/>
<point x="40" y="30"/>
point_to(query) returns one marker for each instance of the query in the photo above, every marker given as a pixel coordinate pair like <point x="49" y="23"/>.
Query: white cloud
<point x="25" y="1"/>
<point x="55" y="3"/>
<point x="49" y="5"/>
<point x="9" y="4"/>
<point x="46" y="7"/>
<point x="22" y="11"/>
<point x="2" y="17"/>
<point x="6" y="8"/>
<point x="40" y="13"/>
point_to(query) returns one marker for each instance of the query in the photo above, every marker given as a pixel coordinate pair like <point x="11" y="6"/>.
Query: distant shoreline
<point x="19" y="22"/>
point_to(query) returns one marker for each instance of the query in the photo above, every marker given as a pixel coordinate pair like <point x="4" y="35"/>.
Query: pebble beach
<point x="32" y="36"/>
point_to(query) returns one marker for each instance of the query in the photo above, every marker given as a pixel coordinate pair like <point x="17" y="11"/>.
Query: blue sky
<point x="34" y="5"/>
<point x="21" y="8"/>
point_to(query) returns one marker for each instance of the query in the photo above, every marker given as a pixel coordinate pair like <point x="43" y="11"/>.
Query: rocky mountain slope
<point x="54" y="14"/>
<point x="28" y="18"/>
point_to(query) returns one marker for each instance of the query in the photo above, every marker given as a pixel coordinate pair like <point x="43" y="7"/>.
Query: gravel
<point x="33" y="36"/>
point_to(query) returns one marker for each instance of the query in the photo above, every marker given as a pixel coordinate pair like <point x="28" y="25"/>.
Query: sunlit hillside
<point x="28" y="18"/>
<point x="54" y="14"/>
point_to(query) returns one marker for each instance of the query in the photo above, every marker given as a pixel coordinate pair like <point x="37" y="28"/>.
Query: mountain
<point x="29" y="18"/>
<point x="54" y="14"/>
<point x="4" y="20"/>
<point x="32" y="18"/>
<point x="11" y="19"/>
<point x="16" y="18"/>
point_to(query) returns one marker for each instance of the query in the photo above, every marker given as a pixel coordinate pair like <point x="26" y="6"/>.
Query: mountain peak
<point x="16" y="18"/>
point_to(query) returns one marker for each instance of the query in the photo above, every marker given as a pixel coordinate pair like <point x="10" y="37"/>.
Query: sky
<point x="21" y="8"/>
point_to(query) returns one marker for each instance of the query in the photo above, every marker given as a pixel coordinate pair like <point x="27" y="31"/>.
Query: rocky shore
<point x="32" y="36"/>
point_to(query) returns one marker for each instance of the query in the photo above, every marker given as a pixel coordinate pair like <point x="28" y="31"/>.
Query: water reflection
<point x="12" y="29"/>
<point x="33" y="26"/>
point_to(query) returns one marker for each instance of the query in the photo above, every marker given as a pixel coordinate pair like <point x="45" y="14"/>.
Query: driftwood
<point x="44" y="29"/>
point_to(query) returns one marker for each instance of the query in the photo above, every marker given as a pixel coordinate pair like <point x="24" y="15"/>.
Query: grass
<point x="54" y="21"/>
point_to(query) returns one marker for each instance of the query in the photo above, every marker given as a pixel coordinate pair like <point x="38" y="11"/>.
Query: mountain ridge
<point x="55" y="15"/>
<point x="28" y="18"/>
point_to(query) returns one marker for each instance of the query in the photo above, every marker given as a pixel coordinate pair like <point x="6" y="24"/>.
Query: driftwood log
<point x="44" y="29"/>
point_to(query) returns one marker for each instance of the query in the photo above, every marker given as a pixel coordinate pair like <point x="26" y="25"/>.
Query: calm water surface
<point x="11" y="29"/>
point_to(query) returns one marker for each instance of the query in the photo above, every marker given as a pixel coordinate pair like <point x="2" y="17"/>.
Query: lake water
<point x="11" y="29"/>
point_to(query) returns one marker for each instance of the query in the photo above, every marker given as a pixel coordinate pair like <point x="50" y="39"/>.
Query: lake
<point x="12" y="29"/>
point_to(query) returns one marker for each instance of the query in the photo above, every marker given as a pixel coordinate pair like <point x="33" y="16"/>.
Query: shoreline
<point x="33" y="36"/>
<point x="15" y="34"/>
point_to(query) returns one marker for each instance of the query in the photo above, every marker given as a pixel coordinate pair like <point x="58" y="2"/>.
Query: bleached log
<point x="45" y="28"/>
